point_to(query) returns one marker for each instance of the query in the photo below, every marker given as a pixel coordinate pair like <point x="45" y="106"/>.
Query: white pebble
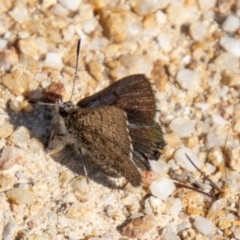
<point x="210" y="168"/>
<point x="9" y="229"/>
<point x="227" y="61"/>
<point x="231" y="24"/>
<point x="10" y="156"/>
<point x="202" y="105"/>
<point x="153" y="205"/>
<point x="198" y="30"/>
<point x="53" y="60"/>
<point x="3" y="44"/>
<point x="48" y="3"/>
<point x="213" y="140"/>
<point x="231" y="45"/>
<point x="160" y="167"/>
<point x="182" y="127"/>
<point x="69" y="35"/>
<point x="72" y="5"/>
<point x="169" y="234"/>
<point x="20" y="196"/>
<point x="162" y="188"/>
<point x="182" y="160"/>
<point x="19" y="13"/>
<point x="59" y="10"/>
<point x="41" y="45"/>
<point x="164" y="42"/>
<point x="23" y="34"/>
<point x="206" y="4"/>
<point x="110" y="200"/>
<point x="137" y="64"/>
<point x="215" y="156"/>
<point x="35" y="145"/>
<point x="218" y="119"/>
<point x="143" y="7"/>
<point x="203" y="225"/>
<point x="21" y="137"/>
<point x="216" y="207"/>
<point x="236" y="233"/>
<point x="2" y="28"/>
<point x="90" y="25"/>
<point x="173" y="206"/>
<point x="188" y="79"/>
<point x="177" y="14"/>
<point x="97" y="44"/>
<point x="161" y="17"/>
<point x="80" y="184"/>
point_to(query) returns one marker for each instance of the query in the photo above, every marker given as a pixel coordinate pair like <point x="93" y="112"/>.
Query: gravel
<point x="189" y="49"/>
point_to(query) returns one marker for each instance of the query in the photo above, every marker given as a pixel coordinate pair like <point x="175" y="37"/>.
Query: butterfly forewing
<point x="103" y="131"/>
<point x="133" y="94"/>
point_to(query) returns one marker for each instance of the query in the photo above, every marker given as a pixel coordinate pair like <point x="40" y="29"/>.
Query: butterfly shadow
<point x="38" y="122"/>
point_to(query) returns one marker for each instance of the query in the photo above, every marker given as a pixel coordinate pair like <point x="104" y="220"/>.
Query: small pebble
<point x="206" y="4"/>
<point x="162" y="188"/>
<point x="173" y="206"/>
<point x="169" y="234"/>
<point x="121" y="25"/>
<point x="227" y="61"/>
<point x="29" y="47"/>
<point x="16" y="82"/>
<point x="236" y="126"/>
<point x="80" y="184"/>
<point x="236" y="233"/>
<point x="72" y="5"/>
<point x="160" y="167"/>
<point x="224" y="224"/>
<point x="182" y="127"/>
<point x="79" y="212"/>
<point x="59" y="10"/>
<point x="3" y="44"/>
<point x="142" y="7"/>
<point x="6" y="130"/>
<point x="15" y="105"/>
<point x="19" y="13"/>
<point x="231" y="45"/>
<point x="198" y="30"/>
<point x="231" y="23"/>
<point x="35" y="145"/>
<point x="53" y="60"/>
<point x="21" y="137"/>
<point x="21" y="196"/>
<point x="182" y="160"/>
<point x="90" y="25"/>
<point x="203" y="225"/>
<point x="217" y="209"/>
<point x="9" y="230"/>
<point x="215" y="156"/>
<point x="10" y="157"/>
<point x="177" y="14"/>
<point x="188" y="79"/>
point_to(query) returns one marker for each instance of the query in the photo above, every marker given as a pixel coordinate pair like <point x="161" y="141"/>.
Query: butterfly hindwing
<point x="103" y="131"/>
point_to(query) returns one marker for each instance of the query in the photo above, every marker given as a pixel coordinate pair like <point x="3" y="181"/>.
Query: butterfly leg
<point x="82" y="152"/>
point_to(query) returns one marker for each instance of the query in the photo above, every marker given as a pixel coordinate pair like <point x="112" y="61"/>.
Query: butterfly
<point x="116" y="126"/>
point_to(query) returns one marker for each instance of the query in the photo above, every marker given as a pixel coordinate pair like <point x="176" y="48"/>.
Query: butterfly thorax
<point x="63" y="108"/>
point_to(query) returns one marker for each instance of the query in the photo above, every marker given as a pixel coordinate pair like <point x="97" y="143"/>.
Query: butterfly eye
<point x="63" y="112"/>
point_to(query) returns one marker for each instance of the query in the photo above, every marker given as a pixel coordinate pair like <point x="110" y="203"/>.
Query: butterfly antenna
<point x="76" y="68"/>
<point x="41" y="103"/>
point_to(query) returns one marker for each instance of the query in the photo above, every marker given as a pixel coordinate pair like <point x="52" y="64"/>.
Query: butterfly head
<point x="63" y="108"/>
